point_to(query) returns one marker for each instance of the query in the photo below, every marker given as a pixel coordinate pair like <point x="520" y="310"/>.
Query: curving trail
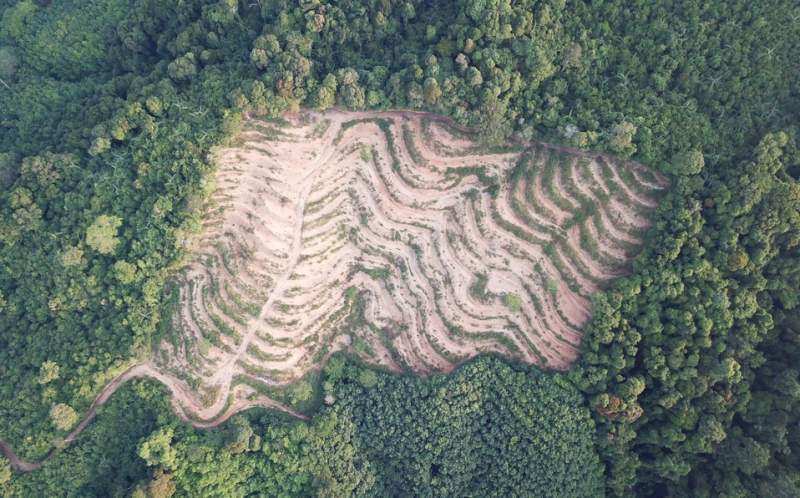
<point x="182" y="397"/>
<point x="17" y="464"/>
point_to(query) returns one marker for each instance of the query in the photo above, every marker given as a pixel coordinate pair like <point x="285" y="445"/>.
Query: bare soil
<point x="397" y="237"/>
<point x="381" y="234"/>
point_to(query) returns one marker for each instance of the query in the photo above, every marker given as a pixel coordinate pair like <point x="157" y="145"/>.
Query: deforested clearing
<point x="399" y="238"/>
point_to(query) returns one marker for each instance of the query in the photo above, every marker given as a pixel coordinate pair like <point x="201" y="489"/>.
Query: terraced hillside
<point x="395" y="236"/>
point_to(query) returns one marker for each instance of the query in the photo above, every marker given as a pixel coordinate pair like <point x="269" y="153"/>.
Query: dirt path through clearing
<point x="181" y="397"/>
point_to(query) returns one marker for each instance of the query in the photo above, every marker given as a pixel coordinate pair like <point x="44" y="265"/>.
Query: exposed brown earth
<point x="394" y="236"/>
<point x="397" y="237"/>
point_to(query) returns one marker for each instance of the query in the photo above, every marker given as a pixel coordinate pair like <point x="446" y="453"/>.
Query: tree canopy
<point x="108" y="111"/>
<point x="488" y="430"/>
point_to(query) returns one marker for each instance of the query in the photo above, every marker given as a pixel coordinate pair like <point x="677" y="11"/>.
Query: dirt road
<point x="181" y="397"/>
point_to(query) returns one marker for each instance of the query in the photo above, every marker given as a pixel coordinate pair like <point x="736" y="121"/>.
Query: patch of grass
<point x="648" y="176"/>
<point x="361" y="346"/>
<point x="320" y="128"/>
<point x="169" y="307"/>
<point x="224" y="328"/>
<point x="478" y="289"/>
<point x="616" y="188"/>
<point x="454" y="130"/>
<point x="551" y="286"/>
<point x="516" y="230"/>
<point x="204" y="346"/>
<point x="304" y="394"/>
<point x="512" y="301"/>
<point x="523" y="214"/>
<point x="479" y="172"/>
<point x="257" y="148"/>
<point x="366" y="153"/>
<point x="225" y="257"/>
<point x="548" y="182"/>
<point x="350" y="294"/>
<point x="521" y="167"/>
<point x="551" y="252"/>
<point x="250" y="308"/>
<point x="377" y="273"/>
<point x="260" y="355"/>
<point x="411" y="146"/>
<point x="269" y="132"/>
<point x="472" y="194"/>
<point x="226" y="309"/>
<point x="499" y="338"/>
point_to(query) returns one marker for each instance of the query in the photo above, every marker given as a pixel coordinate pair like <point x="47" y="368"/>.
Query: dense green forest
<point x="487" y="430"/>
<point x="108" y="109"/>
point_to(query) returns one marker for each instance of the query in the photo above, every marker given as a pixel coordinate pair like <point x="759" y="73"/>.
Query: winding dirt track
<point x="182" y="398"/>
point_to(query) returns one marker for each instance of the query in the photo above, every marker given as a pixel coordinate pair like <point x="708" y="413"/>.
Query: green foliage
<point x="301" y="392"/>
<point x="109" y="110"/>
<point x="759" y="455"/>
<point x="478" y="289"/>
<point x="276" y="460"/>
<point x="66" y="39"/>
<point x="486" y="430"/>
<point x="675" y="354"/>
<point x="5" y="471"/>
<point x="8" y="63"/>
<point x="102" y="234"/>
<point x="63" y="416"/>
<point x="15" y="18"/>
<point x="161" y="486"/>
<point x="125" y="272"/>
<point x="60" y="210"/>
<point x="183" y="68"/>
<point x="687" y="163"/>
<point x="512" y="301"/>
<point x="72" y="256"/>
<point x="551" y="286"/>
<point x="103" y="461"/>
<point x="621" y="139"/>
<point x="48" y="372"/>
<point x="368" y="378"/>
<point x="157" y="449"/>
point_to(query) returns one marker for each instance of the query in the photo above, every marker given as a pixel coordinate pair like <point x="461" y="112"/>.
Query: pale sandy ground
<point x="308" y="209"/>
<point x="309" y="212"/>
